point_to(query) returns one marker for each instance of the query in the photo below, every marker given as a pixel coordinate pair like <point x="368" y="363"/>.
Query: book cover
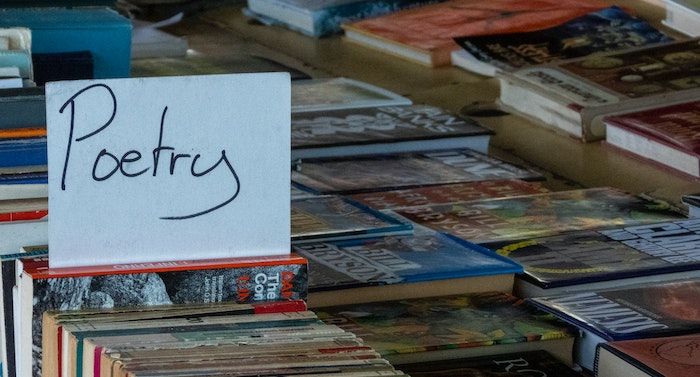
<point x="460" y="192"/>
<point x="323" y="218"/>
<point x="23" y="152"/>
<point x="340" y="93"/>
<point x="607" y="29"/>
<point x="403" y="170"/>
<point x="502" y="219"/>
<point x="675" y="356"/>
<point x="398" y="259"/>
<point x="606" y="254"/>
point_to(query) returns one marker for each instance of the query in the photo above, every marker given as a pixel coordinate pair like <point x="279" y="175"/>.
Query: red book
<point x="677" y="356"/>
<point x="23" y="209"/>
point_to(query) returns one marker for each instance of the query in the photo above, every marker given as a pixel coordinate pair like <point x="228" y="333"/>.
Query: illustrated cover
<point x="608" y="29"/>
<point x="446" y="322"/>
<point x="432" y="28"/>
<point x="606" y="254"/>
<point x="521" y="364"/>
<point x="460" y="192"/>
<point x="669" y="356"/>
<point x="632" y="312"/>
<point x="398" y="259"/>
<point x="403" y="170"/>
<point x="503" y="219"/>
<point x="331" y="217"/>
<point x="340" y="93"/>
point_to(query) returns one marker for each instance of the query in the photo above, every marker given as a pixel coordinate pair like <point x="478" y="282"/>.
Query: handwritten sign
<point x="162" y="169"/>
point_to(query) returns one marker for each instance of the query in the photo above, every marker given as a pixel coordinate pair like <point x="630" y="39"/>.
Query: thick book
<point x="340" y="93"/>
<point x="449" y="327"/>
<point x="421" y="265"/>
<point x="383" y="130"/>
<point x="23" y="191"/>
<point x="607" y="29"/>
<point x="683" y="16"/>
<point x="16" y="234"/>
<point x="16" y="153"/>
<point x="504" y="219"/>
<point x="240" y="280"/>
<point x="521" y="364"/>
<point x="676" y="356"/>
<point x="425" y="35"/>
<point x="573" y="96"/>
<point x="23" y="209"/>
<point x="22" y="108"/>
<point x="320" y="18"/>
<point x="384" y="172"/>
<point x="326" y="218"/>
<point x="667" y="135"/>
<point x="460" y="192"/>
<point x="605" y="258"/>
<point x="627" y="313"/>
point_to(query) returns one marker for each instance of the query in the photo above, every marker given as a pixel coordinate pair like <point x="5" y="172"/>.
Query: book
<point x="572" y="96"/>
<point x="325" y="218"/>
<point x="240" y="280"/>
<point x="425" y="35"/>
<point x="459" y="192"/>
<point x="449" y="327"/>
<point x="23" y="209"/>
<point x="604" y="258"/>
<point x="683" y="16"/>
<point x="9" y="76"/>
<point x="20" y="67"/>
<point x="666" y="135"/>
<point x="23" y="107"/>
<point x="23" y="191"/>
<point x="340" y="93"/>
<point x="637" y="312"/>
<point x="503" y="219"/>
<point x="521" y="364"/>
<point x="607" y="29"/>
<point x="15" y="234"/>
<point x="384" y="172"/>
<point x="675" y="356"/>
<point x="392" y="129"/>
<point x="23" y="152"/>
<point x="693" y="203"/>
<point x="322" y="18"/>
<point x="22" y="133"/>
<point x="421" y="265"/>
<point x="300" y="193"/>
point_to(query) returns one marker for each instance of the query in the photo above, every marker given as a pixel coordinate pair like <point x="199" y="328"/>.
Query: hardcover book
<point x="23" y="209"/>
<point x="340" y="93"/>
<point x="425" y="35"/>
<point x="604" y="258"/>
<point x="403" y="170"/>
<point x="667" y="135"/>
<point x="574" y="95"/>
<point x="448" y="327"/>
<point x="627" y="313"/>
<point x="421" y="265"/>
<point x="325" y="218"/>
<point x="503" y="219"/>
<point x="607" y="29"/>
<point x="676" y="356"/>
<point x="383" y="130"/>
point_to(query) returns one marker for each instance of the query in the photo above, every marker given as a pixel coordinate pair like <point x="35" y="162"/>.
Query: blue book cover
<point x="425" y="256"/>
<point x="23" y="152"/>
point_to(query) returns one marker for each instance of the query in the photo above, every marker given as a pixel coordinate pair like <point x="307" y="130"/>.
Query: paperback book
<point x="340" y="93"/>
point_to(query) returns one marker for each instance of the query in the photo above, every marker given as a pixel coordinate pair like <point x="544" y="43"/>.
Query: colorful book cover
<point x="446" y="322"/>
<point x="608" y="29"/>
<point x="442" y="194"/>
<point x="522" y="364"/>
<point x="676" y="356"/>
<point x="403" y="170"/>
<point x="606" y="254"/>
<point x="398" y="259"/>
<point x="324" y="218"/>
<point x="503" y="219"/>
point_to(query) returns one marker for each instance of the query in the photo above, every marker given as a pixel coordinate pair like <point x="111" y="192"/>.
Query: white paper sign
<point x="162" y="169"/>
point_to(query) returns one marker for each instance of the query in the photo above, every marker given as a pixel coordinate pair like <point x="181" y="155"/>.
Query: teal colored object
<point x="100" y="30"/>
<point x="19" y="59"/>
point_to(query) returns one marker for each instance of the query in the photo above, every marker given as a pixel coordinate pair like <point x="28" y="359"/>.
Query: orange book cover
<point x="22" y="133"/>
<point x="432" y="28"/>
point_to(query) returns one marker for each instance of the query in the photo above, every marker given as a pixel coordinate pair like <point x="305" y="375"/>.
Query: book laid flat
<point x="325" y="218"/>
<point x="23" y="209"/>
<point x="574" y="95"/>
<point x="521" y="364"/>
<point x="504" y="219"/>
<point x="421" y="265"/>
<point x="693" y="203"/>
<point x="323" y="17"/>
<point x="460" y="192"/>
<point x="667" y="135"/>
<point x="449" y="327"/>
<point x="676" y="356"/>
<point x="24" y="191"/>
<point x="340" y="93"/>
<point x="425" y="34"/>
<point x="242" y="280"/>
<point x="23" y="152"/>
<point x="627" y="313"/>
<point x="608" y="29"/>
<point x="683" y="16"/>
<point x="605" y="258"/>
<point x="383" y="130"/>
<point x="22" y="108"/>
<point x="16" y="234"/>
<point x="403" y="170"/>
<point x="300" y="193"/>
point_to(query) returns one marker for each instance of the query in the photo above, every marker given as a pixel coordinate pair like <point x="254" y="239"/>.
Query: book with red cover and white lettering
<point x="668" y="135"/>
